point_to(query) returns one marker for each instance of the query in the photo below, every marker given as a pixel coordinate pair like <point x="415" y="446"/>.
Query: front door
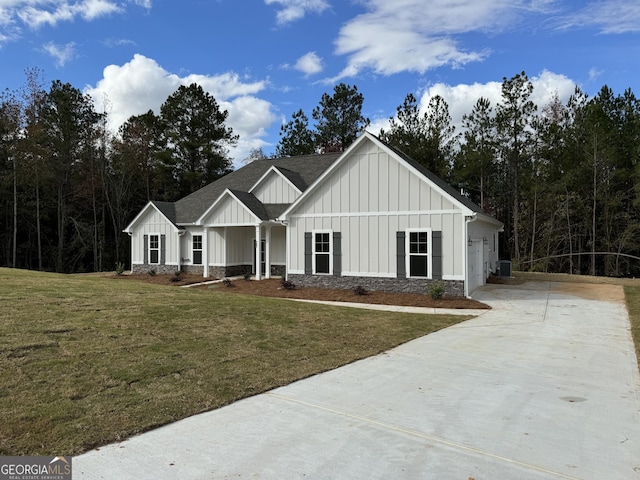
<point x="263" y="257"/>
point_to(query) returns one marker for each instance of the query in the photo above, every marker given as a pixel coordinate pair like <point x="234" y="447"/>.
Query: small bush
<point x="152" y="272"/>
<point x="176" y="278"/>
<point x="227" y="282"/>
<point x="247" y="276"/>
<point x="287" y="284"/>
<point x="437" y="289"/>
<point x="359" y="290"/>
<point x="119" y="268"/>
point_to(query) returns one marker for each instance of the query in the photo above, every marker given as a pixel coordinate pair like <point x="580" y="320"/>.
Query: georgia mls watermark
<point x="35" y="468"/>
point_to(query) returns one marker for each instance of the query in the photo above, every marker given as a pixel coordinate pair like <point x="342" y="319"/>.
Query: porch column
<point x="267" y="254"/>
<point x="205" y="252"/>
<point x="258" y="242"/>
<point x="180" y="236"/>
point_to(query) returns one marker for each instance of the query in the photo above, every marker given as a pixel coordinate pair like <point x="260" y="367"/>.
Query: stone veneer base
<point x="453" y="288"/>
<point x="214" y="271"/>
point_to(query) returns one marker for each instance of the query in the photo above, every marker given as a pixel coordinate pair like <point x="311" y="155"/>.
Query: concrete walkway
<point x="544" y="386"/>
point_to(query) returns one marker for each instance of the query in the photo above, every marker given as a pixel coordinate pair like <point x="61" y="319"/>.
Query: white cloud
<point x="36" y="16"/>
<point x="142" y="3"/>
<point x="142" y="85"/>
<point x="61" y="53"/>
<point x="118" y="42"/>
<point x="309" y="64"/>
<point x="420" y="35"/>
<point x="461" y="98"/>
<point x="608" y="16"/>
<point x="594" y="73"/>
<point x="292" y="10"/>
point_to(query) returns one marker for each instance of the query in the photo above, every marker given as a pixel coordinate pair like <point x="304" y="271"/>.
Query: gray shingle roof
<point x="168" y="209"/>
<point x="294" y="178"/>
<point x="302" y="171"/>
<point x="252" y="203"/>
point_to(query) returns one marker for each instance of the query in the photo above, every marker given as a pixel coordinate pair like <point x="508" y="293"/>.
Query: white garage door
<point x="475" y="266"/>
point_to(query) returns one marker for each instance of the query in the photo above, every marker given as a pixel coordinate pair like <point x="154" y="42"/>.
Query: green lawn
<point x="88" y="360"/>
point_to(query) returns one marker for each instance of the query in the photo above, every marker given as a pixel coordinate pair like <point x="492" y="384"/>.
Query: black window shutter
<point x="401" y="254"/>
<point x="337" y="253"/>
<point x="145" y="243"/>
<point x="163" y="249"/>
<point x="436" y="255"/>
<point x="308" y="253"/>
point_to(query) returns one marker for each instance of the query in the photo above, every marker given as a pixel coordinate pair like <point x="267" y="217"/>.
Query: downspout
<point x="467" y="220"/>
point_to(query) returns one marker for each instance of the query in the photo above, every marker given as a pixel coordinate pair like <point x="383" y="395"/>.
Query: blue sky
<point x="264" y="59"/>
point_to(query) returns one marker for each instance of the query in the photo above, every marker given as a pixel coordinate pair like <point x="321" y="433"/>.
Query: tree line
<point x="562" y="177"/>
<point x="68" y="186"/>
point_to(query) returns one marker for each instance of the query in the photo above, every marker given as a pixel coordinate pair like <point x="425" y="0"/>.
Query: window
<point x="322" y="252"/>
<point x="197" y="249"/>
<point x="419" y="254"/>
<point x="154" y="249"/>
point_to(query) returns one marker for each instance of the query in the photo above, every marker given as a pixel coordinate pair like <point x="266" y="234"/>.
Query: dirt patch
<point x="584" y="286"/>
<point x="609" y="293"/>
<point x="273" y="288"/>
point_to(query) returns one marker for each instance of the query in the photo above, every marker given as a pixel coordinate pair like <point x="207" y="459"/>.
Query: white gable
<point x="150" y="217"/>
<point x="228" y="211"/>
<point x="274" y="187"/>
<point x="372" y="179"/>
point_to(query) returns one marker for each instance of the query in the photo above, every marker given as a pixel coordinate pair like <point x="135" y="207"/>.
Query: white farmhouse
<point x="369" y="217"/>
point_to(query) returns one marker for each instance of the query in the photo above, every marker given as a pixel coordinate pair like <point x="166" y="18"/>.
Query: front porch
<point x="230" y="251"/>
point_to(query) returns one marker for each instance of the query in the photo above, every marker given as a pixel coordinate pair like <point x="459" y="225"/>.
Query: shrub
<point x="247" y="276"/>
<point x="359" y="290"/>
<point x="287" y="284"/>
<point x="437" y="289"/>
<point x="152" y="272"/>
<point x="119" y="268"/>
<point x="227" y="282"/>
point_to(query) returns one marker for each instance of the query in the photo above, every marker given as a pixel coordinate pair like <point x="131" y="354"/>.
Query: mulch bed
<point x="272" y="288"/>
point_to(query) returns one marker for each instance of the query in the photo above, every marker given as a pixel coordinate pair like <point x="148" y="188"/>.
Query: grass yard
<point x="86" y="360"/>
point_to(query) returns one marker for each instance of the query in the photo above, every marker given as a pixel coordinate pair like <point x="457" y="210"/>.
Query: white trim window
<point x="197" y="249"/>
<point x="322" y="252"/>
<point x="418" y="253"/>
<point x="154" y="249"/>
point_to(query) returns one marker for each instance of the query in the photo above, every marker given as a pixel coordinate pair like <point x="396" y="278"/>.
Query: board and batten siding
<point x="278" y="246"/>
<point x="234" y="245"/>
<point x="478" y="231"/>
<point x="275" y="189"/>
<point x="368" y="198"/>
<point x="239" y="245"/>
<point x="216" y="246"/>
<point x="229" y="212"/>
<point x="154" y="223"/>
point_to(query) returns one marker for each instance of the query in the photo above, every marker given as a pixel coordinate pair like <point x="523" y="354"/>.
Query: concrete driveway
<point x="544" y="386"/>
